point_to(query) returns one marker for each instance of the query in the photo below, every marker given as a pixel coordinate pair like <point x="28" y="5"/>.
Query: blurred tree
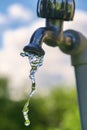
<point x="3" y="87"/>
<point x="57" y="111"/>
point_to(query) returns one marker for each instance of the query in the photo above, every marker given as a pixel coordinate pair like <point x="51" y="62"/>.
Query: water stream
<point x="35" y="62"/>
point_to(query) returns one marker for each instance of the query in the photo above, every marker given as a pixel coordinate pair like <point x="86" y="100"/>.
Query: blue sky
<point x="5" y="4"/>
<point x="31" y="5"/>
<point x="81" y="4"/>
<point x="18" y="20"/>
<point x="28" y="4"/>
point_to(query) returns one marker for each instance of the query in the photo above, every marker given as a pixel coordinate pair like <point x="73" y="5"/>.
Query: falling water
<point x="35" y="62"/>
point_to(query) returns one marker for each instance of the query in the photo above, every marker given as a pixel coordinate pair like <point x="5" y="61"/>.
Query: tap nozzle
<point x="35" y="44"/>
<point x="33" y="48"/>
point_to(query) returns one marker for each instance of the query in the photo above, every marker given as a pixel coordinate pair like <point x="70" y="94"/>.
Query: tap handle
<point x="56" y="9"/>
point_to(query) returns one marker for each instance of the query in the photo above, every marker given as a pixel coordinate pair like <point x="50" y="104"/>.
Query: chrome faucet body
<point x="55" y="12"/>
<point x="52" y="34"/>
<point x="70" y="42"/>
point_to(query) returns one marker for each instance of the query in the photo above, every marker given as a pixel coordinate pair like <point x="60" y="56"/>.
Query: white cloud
<point x="56" y="67"/>
<point x="79" y="23"/>
<point x="19" y="12"/>
<point x="15" y="12"/>
<point x="14" y="41"/>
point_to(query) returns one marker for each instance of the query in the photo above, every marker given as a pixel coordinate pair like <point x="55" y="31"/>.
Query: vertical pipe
<point x="79" y="62"/>
<point x="81" y="80"/>
<point x="78" y="52"/>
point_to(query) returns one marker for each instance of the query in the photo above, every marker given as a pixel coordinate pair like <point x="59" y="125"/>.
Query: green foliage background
<point x="56" y="111"/>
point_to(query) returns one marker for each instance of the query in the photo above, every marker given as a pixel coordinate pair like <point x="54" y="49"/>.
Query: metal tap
<point x="55" y="12"/>
<point x="70" y="42"/>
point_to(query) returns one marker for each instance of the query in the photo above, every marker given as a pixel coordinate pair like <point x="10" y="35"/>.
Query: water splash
<point x="35" y="62"/>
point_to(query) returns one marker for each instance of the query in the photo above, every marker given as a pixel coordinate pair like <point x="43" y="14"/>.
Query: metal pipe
<point x="79" y="61"/>
<point x="81" y="80"/>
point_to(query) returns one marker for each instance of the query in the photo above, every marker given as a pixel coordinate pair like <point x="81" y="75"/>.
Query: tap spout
<point x="35" y="45"/>
<point x="52" y="35"/>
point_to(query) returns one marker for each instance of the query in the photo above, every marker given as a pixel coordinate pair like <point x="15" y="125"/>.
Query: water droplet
<point x="35" y="62"/>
